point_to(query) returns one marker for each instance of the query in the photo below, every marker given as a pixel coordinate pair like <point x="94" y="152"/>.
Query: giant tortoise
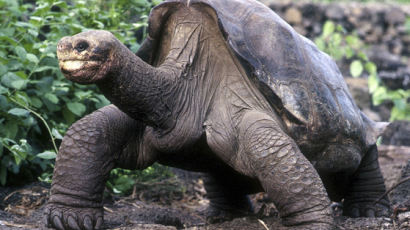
<point x="224" y="87"/>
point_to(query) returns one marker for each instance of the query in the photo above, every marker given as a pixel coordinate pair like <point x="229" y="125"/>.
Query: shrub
<point x="37" y="104"/>
<point x="340" y="45"/>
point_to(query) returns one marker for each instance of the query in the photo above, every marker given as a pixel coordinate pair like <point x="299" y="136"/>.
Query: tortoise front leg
<point x="366" y="186"/>
<point x="267" y="153"/>
<point x="92" y="146"/>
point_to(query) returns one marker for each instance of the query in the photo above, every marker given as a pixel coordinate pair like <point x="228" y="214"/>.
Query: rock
<point x="395" y="16"/>
<point x="376" y="34"/>
<point x="293" y="16"/>
<point x="390" y="79"/>
<point x="312" y="11"/>
<point x="404" y="219"/>
<point x="383" y="59"/>
<point x="364" y="29"/>
<point x="383" y="110"/>
<point x="391" y="32"/>
<point x="359" y="89"/>
<point x="334" y="12"/>
<point x="397" y="133"/>
<point x="394" y="80"/>
<point x="395" y="46"/>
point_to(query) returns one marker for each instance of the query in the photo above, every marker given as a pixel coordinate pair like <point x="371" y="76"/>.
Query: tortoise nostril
<point x="81" y="46"/>
<point x="64" y="43"/>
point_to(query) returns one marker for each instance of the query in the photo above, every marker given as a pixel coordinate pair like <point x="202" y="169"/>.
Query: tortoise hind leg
<point x="227" y="192"/>
<point x="366" y="186"/>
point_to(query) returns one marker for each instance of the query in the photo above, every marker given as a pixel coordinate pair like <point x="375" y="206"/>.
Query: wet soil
<point x="22" y="208"/>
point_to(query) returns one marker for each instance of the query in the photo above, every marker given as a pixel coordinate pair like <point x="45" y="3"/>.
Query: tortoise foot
<point x="71" y="218"/>
<point x="367" y="210"/>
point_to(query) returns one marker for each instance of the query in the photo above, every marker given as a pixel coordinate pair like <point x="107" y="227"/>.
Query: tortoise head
<point x="87" y="57"/>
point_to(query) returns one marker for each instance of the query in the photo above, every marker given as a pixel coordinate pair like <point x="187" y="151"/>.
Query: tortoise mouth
<point x="71" y="66"/>
<point x="80" y="71"/>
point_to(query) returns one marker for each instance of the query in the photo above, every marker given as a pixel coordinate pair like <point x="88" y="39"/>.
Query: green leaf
<point x="32" y="58"/>
<point x="56" y="134"/>
<point x="328" y="29"/>
<point x="7" y="31"/>
<point x="349" y="52"/>
<point x="25" y="24"/>
<point x="21" y="52"/>
<point x="47" y="155"/>
<point x="371" y="68"/>
<point x="373" y="83"/>
<point x="3" y="69"/>
<point x="19" y="112"/>
<point x="400" y="103"/>
<point x="337" y="39"/>
<point x="68" y="116"/>
<point x="22" y="98"/>
<point x="10" y="40"/>
<point x="11" y="80"/>
<point x="19" y="84"/>
<point x="76" y="108"/>
<point x="399" y="114"/>
<point x="353" y="41"/>
<point x="379" y="95"/>
<point x="36" y="102"/>
<point x="356" y="68"/>
<point x="99" y="24"/>
<point x="102" y="101"/>
<point x="320" y="43"/>
<point x="83" y="94"/>
<point x="363" y="56"/>
<point x="3" y="90"/>
<point x="21" y="74"/>
<point x="3" y="102"/>
<point x="51" y="97"/>
<point x="44" y="68"/>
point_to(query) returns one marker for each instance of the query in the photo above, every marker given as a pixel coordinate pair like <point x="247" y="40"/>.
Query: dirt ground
<point x="22" y="208"/>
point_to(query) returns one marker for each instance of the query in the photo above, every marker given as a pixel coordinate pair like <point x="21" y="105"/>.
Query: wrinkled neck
<point x="139" y="89"/>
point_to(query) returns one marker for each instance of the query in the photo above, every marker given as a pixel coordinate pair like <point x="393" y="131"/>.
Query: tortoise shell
<point x="302" y="83"/>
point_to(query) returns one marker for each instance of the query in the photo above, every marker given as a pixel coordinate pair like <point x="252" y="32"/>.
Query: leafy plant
<point x="349" y="47"/>
<point x="337" y="43"/>
<point x="123" y="181"/>
<point x="37" y="104"/>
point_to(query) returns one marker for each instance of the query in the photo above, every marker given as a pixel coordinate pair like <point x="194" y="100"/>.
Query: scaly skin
<point x="270" y="155"/>
<point x="90" y="149"/>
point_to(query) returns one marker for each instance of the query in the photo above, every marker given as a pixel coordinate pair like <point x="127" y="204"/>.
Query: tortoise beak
<point x="64" y="47"/>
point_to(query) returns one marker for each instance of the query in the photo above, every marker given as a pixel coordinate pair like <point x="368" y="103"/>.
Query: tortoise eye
<point x="81" y="46"/>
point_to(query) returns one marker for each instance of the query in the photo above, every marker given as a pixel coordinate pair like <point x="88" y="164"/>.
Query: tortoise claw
<point x="88" y="223"/>
<point x="57" y="223"/>
<point x="63" y="217"/>
<point x="72" y="223"/>
<point x="367" y="210"/>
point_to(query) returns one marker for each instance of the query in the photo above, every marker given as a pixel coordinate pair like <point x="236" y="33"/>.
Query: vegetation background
<point x="37" y="105"/>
